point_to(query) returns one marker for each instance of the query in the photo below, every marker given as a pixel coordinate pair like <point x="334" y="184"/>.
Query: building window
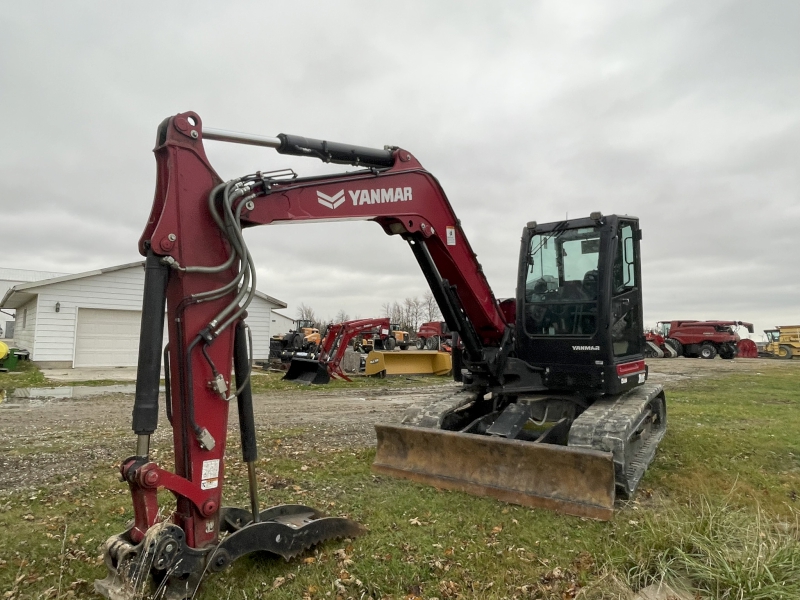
<point x="24" y="317"/>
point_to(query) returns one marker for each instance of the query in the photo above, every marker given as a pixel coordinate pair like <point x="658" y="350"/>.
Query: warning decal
<point x="451" y="235"/>
<point x="210" y="479"/>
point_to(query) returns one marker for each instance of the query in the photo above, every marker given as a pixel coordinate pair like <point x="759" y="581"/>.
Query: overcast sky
<point x="682" y="113"/>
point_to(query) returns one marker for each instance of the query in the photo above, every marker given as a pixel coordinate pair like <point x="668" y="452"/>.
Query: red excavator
<point x="554" y="410"/>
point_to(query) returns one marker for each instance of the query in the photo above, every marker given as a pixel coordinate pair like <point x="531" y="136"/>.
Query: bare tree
<point x="341" y="317"/>
<point x="430" y="308"/>
<point x="412" y="313"/>
<point x="306" y="312"/>
<point x="394" y="312"/>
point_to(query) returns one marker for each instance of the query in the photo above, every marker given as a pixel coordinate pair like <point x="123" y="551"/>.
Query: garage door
<point x="107" y="338"/>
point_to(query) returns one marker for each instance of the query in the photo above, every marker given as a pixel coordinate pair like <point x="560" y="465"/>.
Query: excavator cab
<point x="558" y="416"/>
<point x="579" y="304"/>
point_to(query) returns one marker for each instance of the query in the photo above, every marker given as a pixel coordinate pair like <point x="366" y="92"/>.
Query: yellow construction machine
<point x="305" y="337"/>
<point x="783" y="341"/>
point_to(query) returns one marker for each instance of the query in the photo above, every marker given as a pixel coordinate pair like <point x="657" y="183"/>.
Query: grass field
<point x="718" y="510"/>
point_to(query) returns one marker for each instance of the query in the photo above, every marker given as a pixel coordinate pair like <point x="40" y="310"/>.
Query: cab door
<point x="627" y="339"/>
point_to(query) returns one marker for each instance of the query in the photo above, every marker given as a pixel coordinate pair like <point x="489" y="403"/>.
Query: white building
<point x="8" y="279"/>
<point x="92" y="319"/>
<point x="280" y="323"/>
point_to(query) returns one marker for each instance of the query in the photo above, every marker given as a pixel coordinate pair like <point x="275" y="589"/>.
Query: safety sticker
<point x="210" y="479"/>
<point x="451" y="235"/>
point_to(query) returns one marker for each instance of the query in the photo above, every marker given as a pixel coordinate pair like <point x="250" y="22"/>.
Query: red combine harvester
<point x="699" y="339"/>
<point x="431" y="334"/>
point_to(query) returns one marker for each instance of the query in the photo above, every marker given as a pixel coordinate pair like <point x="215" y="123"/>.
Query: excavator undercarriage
<point x="515" y="452"/>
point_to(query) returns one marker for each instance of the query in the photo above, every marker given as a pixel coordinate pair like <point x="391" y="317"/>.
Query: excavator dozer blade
<point x="408" y="362"/>
<point x="306" y="370"/>
<point x="575" y="481"/>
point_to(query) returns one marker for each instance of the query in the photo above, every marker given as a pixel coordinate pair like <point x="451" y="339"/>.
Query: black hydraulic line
<point x="151" y="338"/>
<point x="184" y="385"/>
<point x="447" y="300"/>
<point x="457" y="358"/>
<point x="167" y="385"/>
<point x="210" y="362"/>
<point x="241" y="368"/>
<point x="244" y="400"/>
<point x="189" y="389"/>
<point x="334" y="152"/>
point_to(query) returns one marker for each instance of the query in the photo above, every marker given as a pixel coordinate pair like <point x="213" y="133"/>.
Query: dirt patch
<point x="671" y="370"/>
<point x="56" y="441"/>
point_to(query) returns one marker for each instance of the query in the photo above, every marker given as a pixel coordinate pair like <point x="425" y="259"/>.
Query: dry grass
<point x="718" y="509"/>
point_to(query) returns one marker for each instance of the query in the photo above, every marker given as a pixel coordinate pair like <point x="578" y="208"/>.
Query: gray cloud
<point x="681" y="113"/>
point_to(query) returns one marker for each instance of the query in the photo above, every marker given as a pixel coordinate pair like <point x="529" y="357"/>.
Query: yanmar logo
<point x="331" y="202"/>
<point x="584" y="348"/>
<point x="361" y="197"/>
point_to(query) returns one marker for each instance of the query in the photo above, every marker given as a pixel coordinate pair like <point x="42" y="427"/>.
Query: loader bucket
<point x="575" y="481"/>
<point x="306" y="370"/>
<point x="408" y="362"/>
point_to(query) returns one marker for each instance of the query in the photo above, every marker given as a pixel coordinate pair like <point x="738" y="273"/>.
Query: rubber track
<point x="608" y="425"/>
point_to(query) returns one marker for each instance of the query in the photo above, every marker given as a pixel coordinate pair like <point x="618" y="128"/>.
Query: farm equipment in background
<point x="656" y="346"/>
<point x="305" y="337"/>
<point x="746" y="348"/>
<point x="698" y="339"/>
<point x="554" y="410"/>
<point x="782" y="342"/>
<point x="432" y="334"/>
<point x="386" y="338"/>
<point x="366" y="334"/>
<point x="413" y="362"/>
<point x="332" y="350"/>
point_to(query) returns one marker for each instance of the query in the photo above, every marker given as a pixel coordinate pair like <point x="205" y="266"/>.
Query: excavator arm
<point x="201" y="275"/>
<point x="394" y="191"/>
